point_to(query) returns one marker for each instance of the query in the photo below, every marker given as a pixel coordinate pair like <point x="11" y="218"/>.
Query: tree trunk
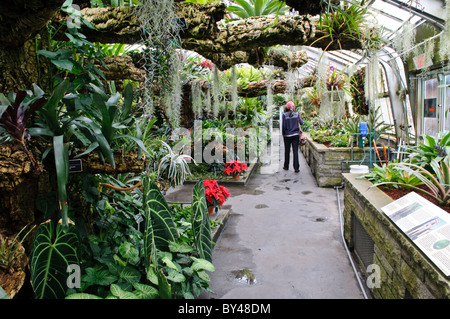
<point x="224" y="44"/>
<point x="20" y="35"/>
<point x="20" y="66"/>
<point x="20" y="186"/>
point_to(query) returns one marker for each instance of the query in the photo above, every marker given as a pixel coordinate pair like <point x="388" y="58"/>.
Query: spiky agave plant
<point x="15" y="112"/>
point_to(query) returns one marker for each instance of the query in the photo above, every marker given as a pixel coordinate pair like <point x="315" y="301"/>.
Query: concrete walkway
<point x="282" y="240"/>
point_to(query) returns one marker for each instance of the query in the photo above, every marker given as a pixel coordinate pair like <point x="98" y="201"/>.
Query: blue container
<point x="363" y="128"/>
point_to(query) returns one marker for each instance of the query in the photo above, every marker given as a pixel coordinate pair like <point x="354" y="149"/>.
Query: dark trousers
<point x="291" y="141"/>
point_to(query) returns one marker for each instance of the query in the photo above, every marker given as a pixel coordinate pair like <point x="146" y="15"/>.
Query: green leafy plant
<point x="200" y="222"/>
<point x="160" y="228"/>
<point x="389" y="173"/>
<point x="51" y="123"/>
<point x="315" y="96"/>
<point x="165" y="260"/>
<point x="73" y="55"/>
<point x="336" y="80"/>
<point x="376" y="125"/>
<point x="436" y="180"/>
<point x="251" y="8"/>
<point x="52" y="119"/>
<point x="105" y="120"/>
<point x="343" y="24"/>
<point x="430" y="148"/>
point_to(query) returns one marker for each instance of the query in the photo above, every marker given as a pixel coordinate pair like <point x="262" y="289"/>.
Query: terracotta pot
<point x="236" y="177"/>
<point x="210" y="210"/>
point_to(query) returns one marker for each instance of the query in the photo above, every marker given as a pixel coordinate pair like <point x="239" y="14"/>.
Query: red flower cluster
<point x="234" y="168"/>
<point x="215" y="195"/>
<point x="206" y="64"/>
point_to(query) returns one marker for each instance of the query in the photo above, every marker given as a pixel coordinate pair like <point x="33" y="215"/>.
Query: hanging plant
<point x="160" y="35"/>
<point x="444" y="39"/>
<point x="357" y="92"/>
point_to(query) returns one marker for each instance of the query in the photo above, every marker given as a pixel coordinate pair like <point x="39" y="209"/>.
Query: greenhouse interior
<point x="215" y="149"/>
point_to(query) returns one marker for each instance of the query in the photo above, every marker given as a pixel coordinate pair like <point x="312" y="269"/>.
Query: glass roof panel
<point x="433" y="7"/>
<point x="392" y="10"/>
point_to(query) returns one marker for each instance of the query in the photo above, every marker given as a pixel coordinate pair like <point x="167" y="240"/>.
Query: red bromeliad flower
<point x="215" y="195"/>
<point x="234" y="168"/>
<point x="206" y="64"/>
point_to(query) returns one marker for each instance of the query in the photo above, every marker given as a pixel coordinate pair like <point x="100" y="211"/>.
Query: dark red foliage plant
<point x="14" y="114"/>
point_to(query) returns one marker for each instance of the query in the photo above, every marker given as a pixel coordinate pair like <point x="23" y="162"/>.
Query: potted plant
<point x="235" y="168"/>
<point x="215" y="195"/>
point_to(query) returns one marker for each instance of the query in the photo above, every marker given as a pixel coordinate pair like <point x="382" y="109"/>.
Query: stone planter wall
<point x="401" y="270"/>
<point x="326" y="162"/>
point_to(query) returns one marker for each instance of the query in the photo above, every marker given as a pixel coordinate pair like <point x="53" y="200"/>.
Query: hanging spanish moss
<point x="208" y="101"/>
<point x="322" y="69"/>
<point x="216" y="92"/>
<point x="196" y="94"/>
<point x="372" y="80"/>
<point x="404" y="41"/>
<point x="444" y="39"/>
<point x="234" y="91"/>
<point x="290" y="84"/>
<point x="160" y="36"/>
<point x="173" y="110"/>
<point x="269" y="100"/>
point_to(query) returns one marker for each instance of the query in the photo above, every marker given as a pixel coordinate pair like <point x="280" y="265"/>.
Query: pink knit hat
<point x="290" y="105"/>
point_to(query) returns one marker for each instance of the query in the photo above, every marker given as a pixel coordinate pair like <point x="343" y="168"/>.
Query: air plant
<point x="15" y="112"/>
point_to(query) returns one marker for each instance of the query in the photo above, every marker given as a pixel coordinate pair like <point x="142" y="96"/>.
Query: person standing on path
<point x="291" y="122"/>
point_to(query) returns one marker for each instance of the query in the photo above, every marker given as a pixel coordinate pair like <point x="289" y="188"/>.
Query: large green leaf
<point x="160" y="228"/>
<point x="52" y="252"/>
<point x="50" y="109"/>
<point x="163" y="286"/>
<point x="127" y="102"/>
<point x="120" y="293"/>
<point x="200" y="222"/>
<point x="102" y="277"/>
<point x="61" y="151"/>
<point x="99" y="137"/>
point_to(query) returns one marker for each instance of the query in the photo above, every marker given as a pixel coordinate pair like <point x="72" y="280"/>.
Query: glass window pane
<point x="431" y="88"/>
<point x="430" y="113"/>
<point x="447" y="103"/>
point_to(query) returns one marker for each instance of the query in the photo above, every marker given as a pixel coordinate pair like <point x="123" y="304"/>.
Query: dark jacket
<point x="290" y="123"/>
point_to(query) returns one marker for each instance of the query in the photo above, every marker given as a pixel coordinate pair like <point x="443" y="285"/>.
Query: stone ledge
<point x="222" y="217"/>
<point x="326" y="162"/>
<point x="405" y="270"/>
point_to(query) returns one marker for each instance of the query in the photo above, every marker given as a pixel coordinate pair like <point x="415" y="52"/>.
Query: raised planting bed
<point x="223" y="179"/>
<point x="326" y="163"/>
<point x="394" y="267"/>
